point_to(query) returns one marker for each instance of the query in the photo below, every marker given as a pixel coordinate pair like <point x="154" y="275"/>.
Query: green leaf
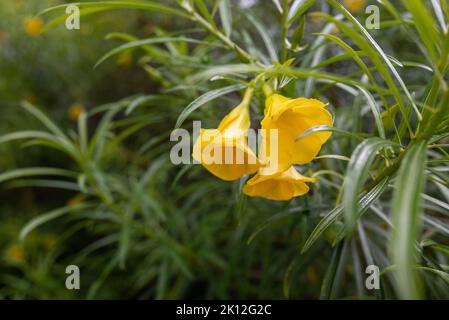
<point x="205" y="12"/>
<point x="45" y="120"/>
<point x="272" y="220"/>
<point x="437" y="246"/>
<point x="46" y="217"/>
<point x="205" y="98"/>
<point x="364" y="203"/>
<point x="98" y="141"/>
<point x="327" y="128"/>
<point x="30" y="134"/>
<point x="145" y="42"/>
<point x="43" y="183"/>
<point x="356" y="175"/>
<point x="226" y="17"/>
<point x="298" y="34"/>
<point x="375" y="111"/>
<point x="125" y="239"/>
<point x="61" y="19"/>
<point x="83" y="131"/>
<point x="299" y="10"/>
<point x="407" y="220"/>
<point x="443" y="275"/>
<point x="264" y="34"/>
<point x="331" y="273"/>
<point x="144" y="5"/>
<point x="36" y="171"/>
<point x="425" y="25"/>
<point x="378" y="49"/>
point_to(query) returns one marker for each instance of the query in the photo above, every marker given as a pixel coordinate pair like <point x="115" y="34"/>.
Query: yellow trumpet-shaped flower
<point x="289" y="118"/>
<point x="282" y="185"/>
<point x="224" y="151"/>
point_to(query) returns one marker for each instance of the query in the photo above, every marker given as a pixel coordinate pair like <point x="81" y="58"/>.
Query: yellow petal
<point x="237" y="119"/>
<point x="291" y="117"/>
<point x="278" y="186"/>
<point x="273" y="103"/>
<point x="224" y="151"/>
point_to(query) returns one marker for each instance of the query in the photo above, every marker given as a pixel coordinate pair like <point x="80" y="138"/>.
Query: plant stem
<point x="213" y="30"/>
<point x="437" y="117"/>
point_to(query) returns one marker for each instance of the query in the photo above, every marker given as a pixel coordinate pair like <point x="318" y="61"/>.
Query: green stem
<point x="213" y="30"/>
<point x="267" y="90"/>
<point x="436" y="118"/>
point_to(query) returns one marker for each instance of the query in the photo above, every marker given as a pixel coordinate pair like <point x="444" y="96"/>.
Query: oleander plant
<point x="319" y="170"/>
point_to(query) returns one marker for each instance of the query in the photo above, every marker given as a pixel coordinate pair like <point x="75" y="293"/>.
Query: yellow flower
<point x="3" y="35"/>
<point x="224" y="151"/>
<point x="33" y="26"/>
<point x="282" y="185"/>
<point x="76" y="200"/>
<point x="124" y="59"/>
<point x="75" y="111"/>
<point x="15" y="254"/>
<point x="289" y="118"/>
<point x="31" y="99"/>
<point x="354" y="5"/>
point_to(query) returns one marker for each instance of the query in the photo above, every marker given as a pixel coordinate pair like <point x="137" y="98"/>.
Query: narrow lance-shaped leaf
<point x="425" y="25"/>
<point x="264" y="34"/>
<point x="298" y="8"/>
<point x="205" y="98"/>
<point x="205" y="12"/>
<point x="331" y="273"/>
<point x="379" y="50"/>
<point x="36" y="171"/>
<point x="109" y="5"/>
<point x="336" y="213"/>
<point x="226" y="17"/>
<point x="144" y="42"/>
<point x="407" y="220"/>
<point x="356" y="175"/>
<point x="375" y="111"/>
<point x="46" y="217"/>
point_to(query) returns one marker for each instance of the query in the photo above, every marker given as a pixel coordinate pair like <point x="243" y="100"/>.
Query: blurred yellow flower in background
<point x="33" y="26"/>
<point x="31" y="99"/>
<point x="224" y="151"/>
<point x="50" y="242"/>
<point x="282" y="185"/>
<point x="354" y="5"/>
<point x="124" y="59"/>
<point x="291" y="117"/>
<point x="76" y="200"/>
<point x="4" y="35"/>
<point x="15" y="254"/>
<point x="75" y="111"/>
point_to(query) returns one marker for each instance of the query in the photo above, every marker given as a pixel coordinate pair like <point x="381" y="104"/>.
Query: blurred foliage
<point x="100" y="191"/>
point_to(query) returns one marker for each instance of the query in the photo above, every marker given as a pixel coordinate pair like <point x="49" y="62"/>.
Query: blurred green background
<point x="197" y="244"/>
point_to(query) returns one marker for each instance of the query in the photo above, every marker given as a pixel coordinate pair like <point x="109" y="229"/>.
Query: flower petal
<point x="279" y="186"/>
